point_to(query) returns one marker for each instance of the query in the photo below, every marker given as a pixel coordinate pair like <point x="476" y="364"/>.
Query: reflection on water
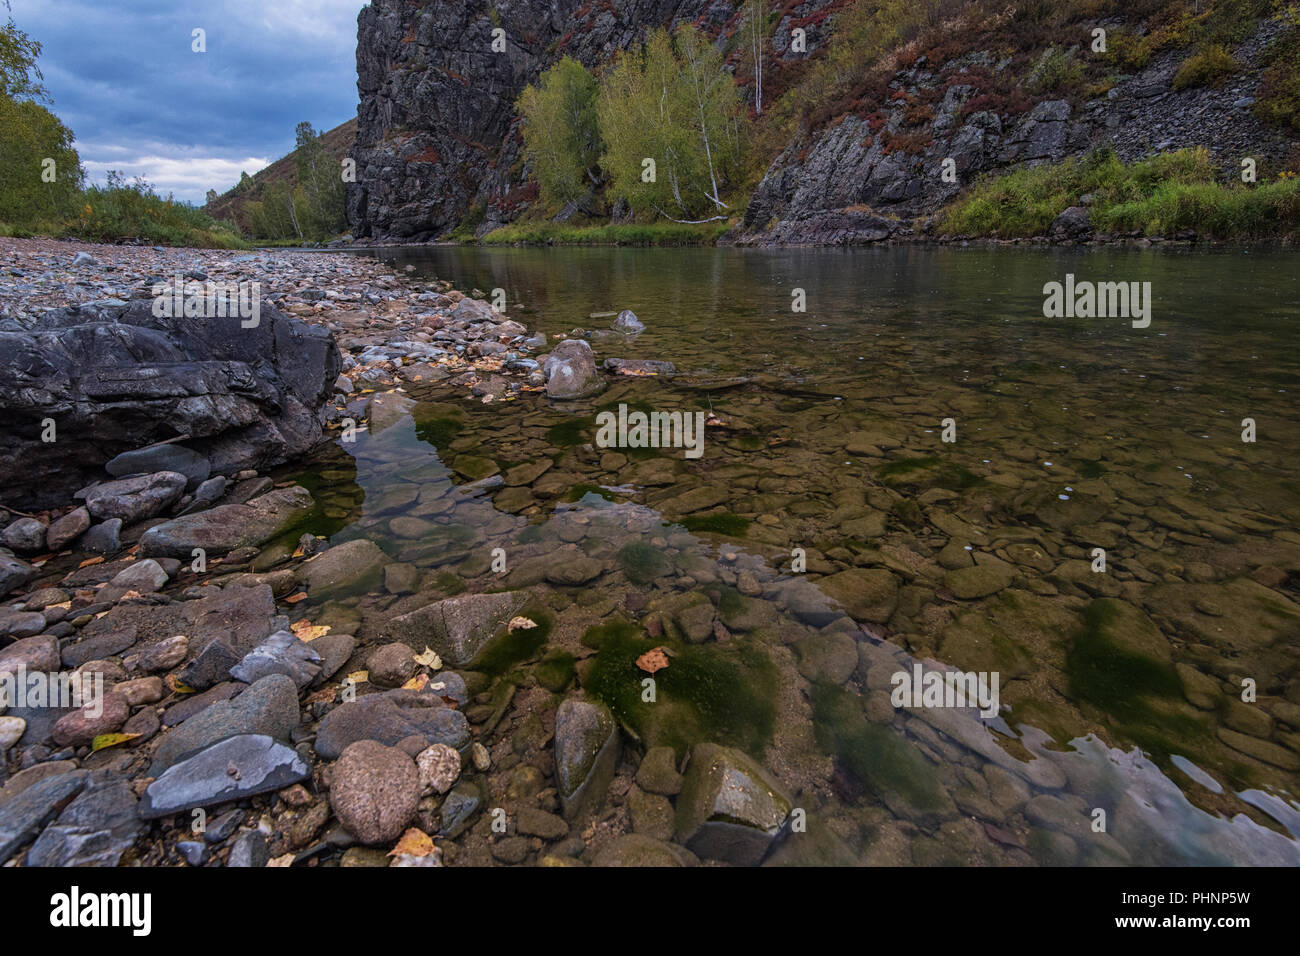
<point x="1123" y="737"/>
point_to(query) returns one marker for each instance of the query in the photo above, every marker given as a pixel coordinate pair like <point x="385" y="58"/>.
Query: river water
<point x="1097" y="536"/>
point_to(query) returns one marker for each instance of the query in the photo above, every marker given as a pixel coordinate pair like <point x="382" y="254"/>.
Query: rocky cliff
<point x="870" y="178"/>
<point x="436" y="136"/>
<point x="438" y="144"/>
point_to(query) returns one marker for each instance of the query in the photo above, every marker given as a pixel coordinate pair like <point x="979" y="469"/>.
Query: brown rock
<point x="103" y="716"/>
<point x="374" y="791"/>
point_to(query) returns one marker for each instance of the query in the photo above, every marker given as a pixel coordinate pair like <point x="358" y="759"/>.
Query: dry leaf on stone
<point x="282" y="861"/>
<point x="295" y="598"/>
<point x="305" y="630"/>
<point x="110" y="740"/>
<point x="414" y="842"/>
<point x="652" y="660"/>
<point x="178" y="686"/>
<point x="322" y="696"/>
<point x="521" y="624"/>
<point x="359" y="677"/>
<point x="429" y="659"/>
<point x="416" y="683"/>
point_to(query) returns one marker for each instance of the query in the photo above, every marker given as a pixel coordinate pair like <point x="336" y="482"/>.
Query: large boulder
<point x="134" y="499"/>
<point x="114" y="377"/>
<point x="728" y="808"/>
<point x="227" y="527"/>
<point x="349" y="567"/>
<point x="458" y="627"/>
<point x="390" y="718"/>
<point x="268" y="708"/>
<point x="570" y="371"/>
<point x="233" y="769"/>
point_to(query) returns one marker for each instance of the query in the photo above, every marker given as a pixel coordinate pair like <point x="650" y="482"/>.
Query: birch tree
<point x="669" y="117"/>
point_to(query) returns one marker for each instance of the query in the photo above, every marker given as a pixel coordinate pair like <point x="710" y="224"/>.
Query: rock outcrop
<point x="437" y="137"/>
<point x="83" y="384"/>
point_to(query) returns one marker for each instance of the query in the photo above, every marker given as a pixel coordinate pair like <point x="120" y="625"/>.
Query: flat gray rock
<point x="268" y="708"/>
<point x="390" y="718"/>
<point x="233" y="769"/>
<point x="457" y="627"/>
<point x="281" y="653"/>
<point x="95" y="829"/>
<point x="23" y="817"/>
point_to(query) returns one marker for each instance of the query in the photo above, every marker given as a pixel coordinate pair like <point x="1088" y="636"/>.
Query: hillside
<point x="856" y="127"/>
<point x="230" y="206"/>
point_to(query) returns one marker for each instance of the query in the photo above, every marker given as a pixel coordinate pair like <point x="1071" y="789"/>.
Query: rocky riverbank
<point x="150" y="666"/>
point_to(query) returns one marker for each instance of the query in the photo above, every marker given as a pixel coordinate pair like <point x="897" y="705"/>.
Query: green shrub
<point x="1160" y="195"/>
<point x="1057" y="70"/>
<point x="1205" y="68"/>
<point x="1277" y="100"/>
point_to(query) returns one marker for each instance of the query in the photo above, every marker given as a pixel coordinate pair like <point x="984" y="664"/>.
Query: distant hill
<point x="230" y="206"/>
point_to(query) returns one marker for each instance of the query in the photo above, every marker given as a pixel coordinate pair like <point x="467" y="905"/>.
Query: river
<point x="1101" y="518"/>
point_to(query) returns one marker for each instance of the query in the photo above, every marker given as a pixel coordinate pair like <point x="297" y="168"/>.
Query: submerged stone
<point x="729" y="809"/>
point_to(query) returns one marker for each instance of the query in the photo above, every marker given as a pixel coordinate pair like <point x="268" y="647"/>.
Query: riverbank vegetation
<point x="661" y="132"/>
<point x="43" y="190"/>
<point x="1163" y="195"/>
<point x="609" y="234"/>
<point x="709" y="119"/>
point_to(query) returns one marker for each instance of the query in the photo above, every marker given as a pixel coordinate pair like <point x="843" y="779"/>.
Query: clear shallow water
<point x="1120" y="691"/>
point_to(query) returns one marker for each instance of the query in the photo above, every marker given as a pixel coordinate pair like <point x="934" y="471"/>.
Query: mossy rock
<point x="642" y="562"/>
<point x="928" y="472"/>
<point x="438" y="423"/>
<point x="581" y="490"/>
<point x="709" y="691"/>
<point x="886" y="762"/>
<point x="508" y="648"/>
<point x="555" y="670"/>
<point x="1006" y="634"/>
<point x="574" y="431"/>
<point x="724" y="523"/>
<point x="1119" y="663"/>
<point x="474" y="467"/>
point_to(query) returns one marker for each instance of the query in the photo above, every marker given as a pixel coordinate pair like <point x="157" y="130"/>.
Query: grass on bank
<point x="630" y="234"/>
<point x="123" y="211"/>
<point x="1160" y="195"/>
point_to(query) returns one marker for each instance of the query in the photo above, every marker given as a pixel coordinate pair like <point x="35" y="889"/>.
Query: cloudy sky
<point x="124" y="78"/>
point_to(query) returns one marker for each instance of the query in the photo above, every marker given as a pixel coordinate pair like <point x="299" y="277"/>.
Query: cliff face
<point x="867" y="179"/>
<point x="438" y="144"/>
<point x="436" y="138"/>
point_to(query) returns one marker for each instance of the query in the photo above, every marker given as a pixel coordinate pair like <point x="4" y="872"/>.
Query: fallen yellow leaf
<point x="359" y="677"/>
<point x="295" y="598"/>
<point x="282" y="861"/>
<point x="429" y="659"/>
<point x="305" y="630"/>
<point x="110" y="740"/>
<point x="522" y="624"/>
<point x="178" y="686"/>
<point x="414" y="842"/>
<point x="416" y="683"/>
